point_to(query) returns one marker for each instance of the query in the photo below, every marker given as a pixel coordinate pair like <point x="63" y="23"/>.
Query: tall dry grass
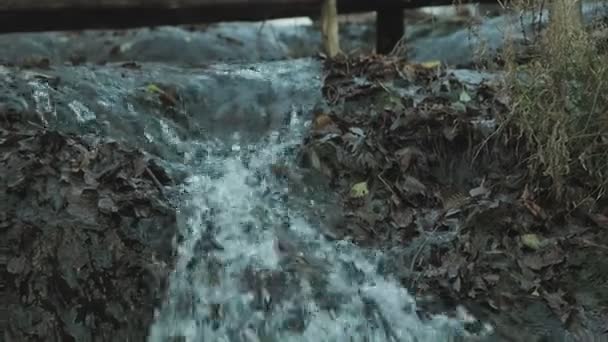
<point x="560" y="104"/>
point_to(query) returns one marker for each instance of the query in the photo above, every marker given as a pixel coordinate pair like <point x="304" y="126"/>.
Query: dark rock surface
<point x="88" y="235"/>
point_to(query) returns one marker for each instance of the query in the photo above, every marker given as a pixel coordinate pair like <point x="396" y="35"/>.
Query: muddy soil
<point x="413" y="151"/>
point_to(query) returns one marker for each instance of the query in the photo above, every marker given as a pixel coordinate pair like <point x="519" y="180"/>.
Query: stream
<point x="254" y="262"/>
<point x="252" y="268"/>
<point x="254" y="259"/>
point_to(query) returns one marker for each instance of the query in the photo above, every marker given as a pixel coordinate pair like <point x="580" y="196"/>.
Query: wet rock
<point x="131" y="106"/>
<point x="89" y="236"/>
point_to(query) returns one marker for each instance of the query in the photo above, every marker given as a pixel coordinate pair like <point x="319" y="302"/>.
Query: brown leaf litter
<point x="87" y="232"/>
<point x="439" y="179"/>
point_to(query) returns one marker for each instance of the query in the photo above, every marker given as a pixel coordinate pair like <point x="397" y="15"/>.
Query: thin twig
<point x="399" y="47"/>
<point x="417" y="254"/>
<point x="390" y="188"/>
<point x="156" y="182"/>
<point x="592" y="244"/>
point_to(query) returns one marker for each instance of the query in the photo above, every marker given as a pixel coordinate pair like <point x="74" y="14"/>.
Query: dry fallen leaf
<point x="16" y="265"/>
<point x="558" y="304"/>
<point x="457" y="285"/>
<point x="406" y="156"/>
<point x="535" y="209"/>
<point x="153" y="88"/>
<point x="402" y="217"/>
<point x="321" y="122"/>
<point x="431" y="64"/>
<point x="411" y="185"/>
<point x="315" y="160"/>
<point x="165" y="97"/>
<point x="454" y="201"/>
<point x="481" y="190"/>
<point x="531" y="241"/>
<point x="600" y="219"/>
<point x="359" y="190"/>
<point x="464" y="97"/>
<point x="540" y="260"/>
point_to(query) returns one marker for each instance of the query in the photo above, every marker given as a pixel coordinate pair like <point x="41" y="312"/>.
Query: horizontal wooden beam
<point x="60" y="15"/>
<point x="118" y="4"/>
<point x="121" y="18"/>
<point x="26" y="5"/>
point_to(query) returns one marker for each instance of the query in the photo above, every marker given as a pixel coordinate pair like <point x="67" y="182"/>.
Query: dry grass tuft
<point x="560" y="106"/>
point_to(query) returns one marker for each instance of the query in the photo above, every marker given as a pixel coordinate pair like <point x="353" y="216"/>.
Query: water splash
<point x="251" y="268"/>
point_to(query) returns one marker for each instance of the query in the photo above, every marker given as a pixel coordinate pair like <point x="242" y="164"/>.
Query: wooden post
<point x="50" y="15"/>
<point x="390" y="28"/>
<point x="329" y="28"/>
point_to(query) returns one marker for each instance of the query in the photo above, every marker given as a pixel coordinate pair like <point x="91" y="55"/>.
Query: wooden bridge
<point x="53" y="15"/>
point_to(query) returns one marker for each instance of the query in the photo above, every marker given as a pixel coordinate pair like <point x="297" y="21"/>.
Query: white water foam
<point x="232" y="283"/>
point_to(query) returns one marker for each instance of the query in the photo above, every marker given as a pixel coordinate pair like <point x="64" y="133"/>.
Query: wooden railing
<point x="53" y="15"/>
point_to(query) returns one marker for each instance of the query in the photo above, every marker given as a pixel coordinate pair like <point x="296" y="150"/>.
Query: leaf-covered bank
<point x="414" y="151"/>
<point x="87" y="233"/>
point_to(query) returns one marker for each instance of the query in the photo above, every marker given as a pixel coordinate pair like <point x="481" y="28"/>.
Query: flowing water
<point x="253" y="262"/>
<point x="251" y="268"/>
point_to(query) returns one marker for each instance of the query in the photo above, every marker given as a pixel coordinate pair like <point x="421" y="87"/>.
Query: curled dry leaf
<point x="531" y="241"/>
<point x="558" y="304"/>
<point x="402" y="217"/>
<point x="411" y="185"/>
<point x="16" y="265"/>
<point x="406" y="156"/>
<point x="358" y="131"/>
<point x="535" y="209"/>
<point x="321" y="122"/>
<point x="464" y="97"/>
<point x="314" y="160"/>
<point x="600" y="219"/>
<point x="538" y="261"/>
<point x="479" y="191"/>
<point x="359" y="190"/>
<point x="433" y="64"/>
<point x="457" y="284"/>
<point x="106" y="205"/>
<point x="166" y="97"/>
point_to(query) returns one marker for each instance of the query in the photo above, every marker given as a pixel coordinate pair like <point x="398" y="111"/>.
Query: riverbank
<point x="88" y="234"/>
<point x="413" y="151"/>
